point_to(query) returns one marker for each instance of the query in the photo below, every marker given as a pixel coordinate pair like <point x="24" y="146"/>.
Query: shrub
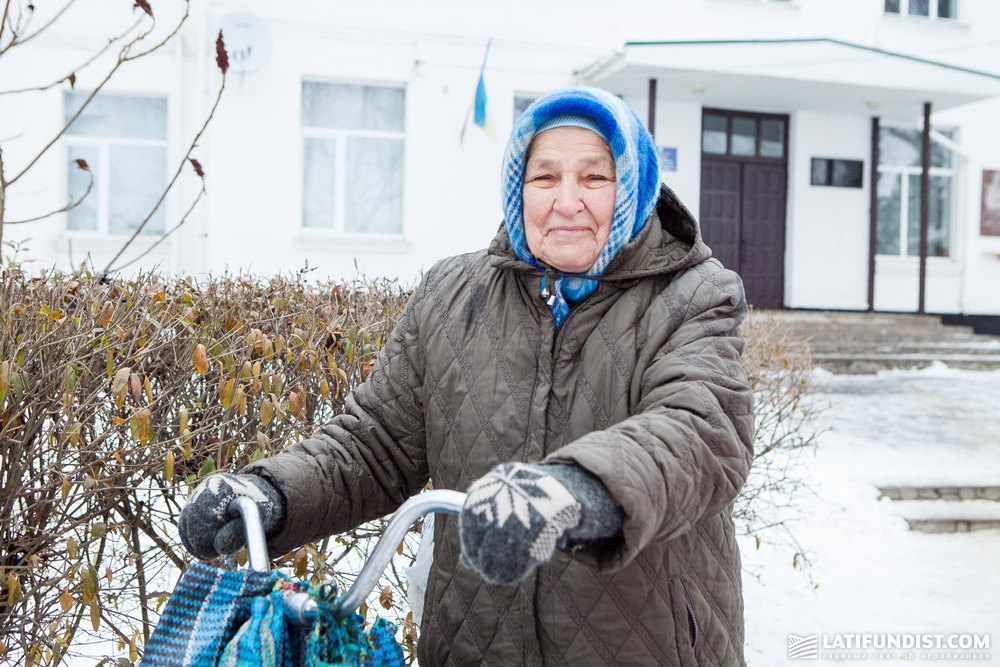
<point x="780" y="373"/>
<point x="117" y="396"/>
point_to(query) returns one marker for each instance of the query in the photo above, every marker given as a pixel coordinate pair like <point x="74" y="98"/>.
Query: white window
<point x="931" y="9"/>
<point x="123" y="139"/>
<point x="521" y="104"/>
<point x="899" y="169"/>
<point x="352" y="157"/>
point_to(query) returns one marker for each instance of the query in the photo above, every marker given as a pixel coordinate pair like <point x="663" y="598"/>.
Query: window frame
<point x="101" y="171"/>
<point x="933" y="11"/>
<point x="340" y="136"/>
<point x="758" y="118"/>
<point x="904" y="172"/>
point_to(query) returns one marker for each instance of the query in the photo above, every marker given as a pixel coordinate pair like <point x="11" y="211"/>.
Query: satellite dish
<point x="248" y="41"/>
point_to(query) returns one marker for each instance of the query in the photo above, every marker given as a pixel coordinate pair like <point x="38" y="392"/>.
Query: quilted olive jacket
<point x="641" y="385"/>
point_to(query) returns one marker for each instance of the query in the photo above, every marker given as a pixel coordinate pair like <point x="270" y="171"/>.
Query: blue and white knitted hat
<point x="637" y="174"/>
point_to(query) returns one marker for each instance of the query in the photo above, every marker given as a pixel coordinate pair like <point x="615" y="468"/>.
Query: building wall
<point x="827" y="227"/>
<point x="252" y="152"/>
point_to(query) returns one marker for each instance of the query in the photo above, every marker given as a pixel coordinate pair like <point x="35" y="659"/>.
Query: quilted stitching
<point x="474" y="376"/>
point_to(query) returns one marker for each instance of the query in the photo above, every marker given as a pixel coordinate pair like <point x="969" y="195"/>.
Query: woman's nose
<point x="569" y="197"/>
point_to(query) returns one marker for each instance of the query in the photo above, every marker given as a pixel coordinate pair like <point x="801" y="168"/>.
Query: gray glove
<point x="517" y="514"/>
<point x="206" y="526"/>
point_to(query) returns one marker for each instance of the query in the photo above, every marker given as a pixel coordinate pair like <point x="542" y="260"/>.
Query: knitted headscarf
<point x="637" y="173"/>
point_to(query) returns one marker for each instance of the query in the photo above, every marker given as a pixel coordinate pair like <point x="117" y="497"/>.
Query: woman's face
<point x="569" y="197"/>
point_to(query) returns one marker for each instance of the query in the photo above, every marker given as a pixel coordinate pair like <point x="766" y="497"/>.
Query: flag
<point x="481" y="113"/>
<point x="480" y="110"/>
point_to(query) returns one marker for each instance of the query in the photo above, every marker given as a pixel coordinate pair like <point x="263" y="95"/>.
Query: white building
<point x="344" y="137"/>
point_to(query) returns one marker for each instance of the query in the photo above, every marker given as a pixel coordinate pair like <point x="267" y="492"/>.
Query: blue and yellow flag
<point x="481" y="115"/>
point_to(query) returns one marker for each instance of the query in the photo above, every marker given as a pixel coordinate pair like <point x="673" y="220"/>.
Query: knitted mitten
<point x="206" y="526"/>
<point x="517" y="514"/>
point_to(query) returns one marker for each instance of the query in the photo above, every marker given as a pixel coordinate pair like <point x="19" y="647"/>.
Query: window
<point x="745" y="136"/>
<point x="352" y="157"/>
<point x="521" y="104"/>
<point x="931" y="9"/>
<point x="837" y="173"/>
<point x="898" y="228"/>
<point x="124" y="141"/>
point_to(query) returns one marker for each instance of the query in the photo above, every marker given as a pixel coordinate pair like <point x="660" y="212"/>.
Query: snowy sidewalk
<point x="933" y="427"/>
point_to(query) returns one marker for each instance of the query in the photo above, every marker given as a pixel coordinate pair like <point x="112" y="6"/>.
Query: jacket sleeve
<point x="367" y="460"/>
<point x="685" y="453"/>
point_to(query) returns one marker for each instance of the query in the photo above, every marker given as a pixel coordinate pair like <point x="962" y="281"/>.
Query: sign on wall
<point x="990" y="221"/>
<point x="837" y="173"/>
<point x="668" y="158"/>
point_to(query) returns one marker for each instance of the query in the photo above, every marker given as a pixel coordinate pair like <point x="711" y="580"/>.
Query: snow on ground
<point x="869" y="573"/>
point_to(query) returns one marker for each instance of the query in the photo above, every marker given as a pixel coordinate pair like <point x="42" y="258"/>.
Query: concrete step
<point x="946" y="509"/>
<point x="951" y="525"/>
<point x="874" y="362"/>
<point x="940" y="492"/>
<point x="847" y="342"/>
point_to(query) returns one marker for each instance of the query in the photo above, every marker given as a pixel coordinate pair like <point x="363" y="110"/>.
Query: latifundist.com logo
<point x="886" y="646"/>
<point x="803" y="647"/>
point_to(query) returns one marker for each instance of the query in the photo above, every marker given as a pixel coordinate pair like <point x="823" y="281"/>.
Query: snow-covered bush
<point x="780" y="371"/>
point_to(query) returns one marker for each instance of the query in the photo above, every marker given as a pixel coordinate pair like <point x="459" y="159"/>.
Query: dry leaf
<point x="13" y="589"/>
<point x="266" y="411"/>
<point x="119" y="385"/>
<point x="263" y="442"/>
<point x="385" y="598"/>
<point x="226" y="391"/>
<point x="301" y="563"/>
<point x="90" y="585"/>
<point x="107" y="310"/>
<point x="200" y="359"/>
<point x="135" y="384"/>
<point x="221" y="57"/>
<point x="95" y="616"/>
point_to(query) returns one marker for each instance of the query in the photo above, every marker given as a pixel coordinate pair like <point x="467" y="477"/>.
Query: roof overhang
<point x="819" y="74"/>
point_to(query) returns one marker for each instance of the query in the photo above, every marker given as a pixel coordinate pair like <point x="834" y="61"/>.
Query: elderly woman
<point x="581" y="379"/>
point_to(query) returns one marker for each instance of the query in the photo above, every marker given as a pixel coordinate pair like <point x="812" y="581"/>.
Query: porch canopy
<point x="818" y="74"/>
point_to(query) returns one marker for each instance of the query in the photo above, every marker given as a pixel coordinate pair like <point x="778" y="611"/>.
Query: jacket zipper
<point x="692" y="621"/>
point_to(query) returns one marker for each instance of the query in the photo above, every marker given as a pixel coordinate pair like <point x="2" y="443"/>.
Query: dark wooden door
<point x="743" y="192"/>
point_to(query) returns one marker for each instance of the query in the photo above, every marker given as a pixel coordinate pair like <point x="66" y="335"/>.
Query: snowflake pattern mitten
<point x="517" y="514"/>
<point x="208" y="528"/>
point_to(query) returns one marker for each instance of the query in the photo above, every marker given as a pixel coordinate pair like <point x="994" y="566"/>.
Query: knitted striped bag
<point x="235" y="618"/>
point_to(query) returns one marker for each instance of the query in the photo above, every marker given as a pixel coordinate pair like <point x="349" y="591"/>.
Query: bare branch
<point x="163" y="238"/>
<point x="162" y="42"/>
<point x="3" y="19"/>
<point x="111" y="42"/>
<point x="122" y="59"/>
<point x="18" y="42"/>
<point x="177" y="173"/>
<point x="65" y="209"/>
<point x="3" y="188"/>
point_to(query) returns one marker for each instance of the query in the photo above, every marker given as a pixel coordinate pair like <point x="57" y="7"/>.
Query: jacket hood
<point x="668" y="242"/>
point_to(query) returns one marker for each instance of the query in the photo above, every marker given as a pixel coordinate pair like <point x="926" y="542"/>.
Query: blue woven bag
<point x="235" y="618"/>
<point x="204" y="612"/>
